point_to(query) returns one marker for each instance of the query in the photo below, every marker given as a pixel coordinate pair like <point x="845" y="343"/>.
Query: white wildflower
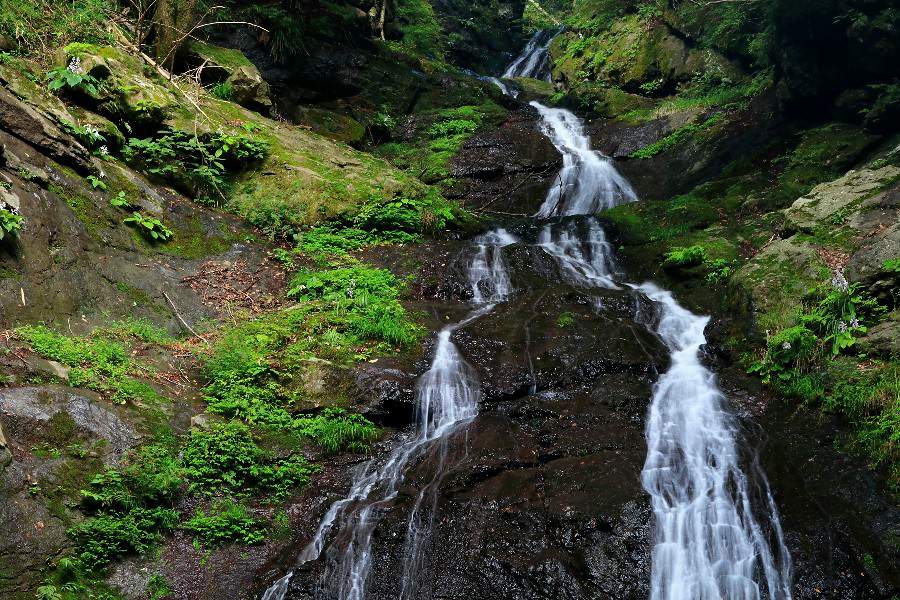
<point x="839" y="282"/>
<point x="854" y="322"/>
<point x="103" y="150"/>
<point x="75" y="66"/>
<point x="842" y="327"/>
<point x="786" y="346"/>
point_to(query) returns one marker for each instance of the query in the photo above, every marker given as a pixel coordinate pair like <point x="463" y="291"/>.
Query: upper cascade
<point x="588" y="181"/>
<point x="534" y="60"/>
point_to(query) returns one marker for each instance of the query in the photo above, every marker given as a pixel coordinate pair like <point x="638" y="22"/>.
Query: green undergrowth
<point x="682" y="135"/>
<point x="438" y="138"/>
<point x="39" y="27"/>
<point x="813" y="359"/>
<point x="101" y="361"/>
<point x="223" y="523"/>
<point x="343" y="315"/>
<point x="199" y="165"/>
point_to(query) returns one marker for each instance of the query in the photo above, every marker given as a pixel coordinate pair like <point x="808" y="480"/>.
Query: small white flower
<point x="854" y="322"/>
<point x="75" y="66"/>
<point x="839" y="281"/>
<point x="103" y="150"/>
<point x="786" y="346"/>
<point x="842" y="327"/>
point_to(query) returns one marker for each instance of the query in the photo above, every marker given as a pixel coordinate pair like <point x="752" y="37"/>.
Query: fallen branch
<point x="183" y="322"/>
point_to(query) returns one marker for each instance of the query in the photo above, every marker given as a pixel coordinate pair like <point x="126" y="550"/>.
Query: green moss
<point x="683" y="135"/>
<point x="192" y="241"/>
<point x="229" y="58"/>
<point x="823" y="154"/>
<point x="95" y="362"/>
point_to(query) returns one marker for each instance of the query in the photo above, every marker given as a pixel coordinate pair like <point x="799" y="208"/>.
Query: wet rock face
<point x="507" y="169"/>
<point x="544" y="497"/>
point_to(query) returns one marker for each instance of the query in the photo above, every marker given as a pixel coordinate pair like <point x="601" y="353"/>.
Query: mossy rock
<point x="331" y="124"/>
<point x="218" y="62"/>
<point x="827" y="200"/>
<point x="780" y="275"/>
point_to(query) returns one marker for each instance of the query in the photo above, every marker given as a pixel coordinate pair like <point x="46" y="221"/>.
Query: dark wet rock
<point x="680" y="168"/>
<point x="389" y="393"/>
<point x="30" y="126"/>
<point x="39" y="404"/>
<point x="507" y="169"/>
<point x="840" y="527"/>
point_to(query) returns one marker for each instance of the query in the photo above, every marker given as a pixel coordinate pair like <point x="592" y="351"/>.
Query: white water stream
<point x="447" y="397"/>
<point x="708" y="543"/>
<point x="534" y="60"/>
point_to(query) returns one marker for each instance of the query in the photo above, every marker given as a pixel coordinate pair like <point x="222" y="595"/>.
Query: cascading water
<point x="447" y="398"/>
<point x="708" y="545"/>
<point x="534" y="60"/>
<point x="588" y="182"/>
<point x="584" y="259"/>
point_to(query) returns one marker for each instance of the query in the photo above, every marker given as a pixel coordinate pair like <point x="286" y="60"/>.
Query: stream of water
<point x="709" y="545"/>
<point x="534" y="60"/>
<point x="712" y="541"/>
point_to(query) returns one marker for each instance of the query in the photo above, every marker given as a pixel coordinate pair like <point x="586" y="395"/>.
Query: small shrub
<point x="567" y="319"/>
<point x="334" y="429"/>
<point x="119" y="201"/>
<point x="150" y="227"/>
<point x="72" y="78"/>
<point x="226" y="459"/>
<point x="680" y="257"/>
<point x="227" y="522"/>
<point x="109" y="536"/>
<point x="222" y="91"/>
<point x="10" y="223"/>
<point x="199" y="165"/>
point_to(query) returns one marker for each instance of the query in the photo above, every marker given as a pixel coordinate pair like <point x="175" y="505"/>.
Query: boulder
<point x="249" y="89"/>
<point x="868" y="264"/>
<point x="883" y="338"/>
<point x="828" y="199"/>
<point x="30" y="126"/>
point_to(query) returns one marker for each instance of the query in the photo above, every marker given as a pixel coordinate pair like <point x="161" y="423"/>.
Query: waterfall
<point x="708" y="543"/>
<point x="588" y="182"/>
<point x="712" y="540"/>
<point x="487" y="272"/>
<point x="534" y="60"/>
<point x="584" y="259"/>
<point x="447" y="398"/>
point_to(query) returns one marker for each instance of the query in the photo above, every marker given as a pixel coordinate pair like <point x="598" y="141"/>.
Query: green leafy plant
<point x="96" y="182"/>
<point x="119" y="201"/>
<point x="226" y="459"/>
<point x="566" y="319"/>
<point x="199" y="165"/>
<point x="685" y="257"/>
<point x="10" y="223"/>
<point x="72" y="78"/>
<point x="150" y="227"/>
<point x="96" y="363"/>
<point x="222" y="91"/>
<point x="840" y="315"/>
<point x="335" y="429"/>
<point x="226" y="522"/>
<point x="369" y="297"/>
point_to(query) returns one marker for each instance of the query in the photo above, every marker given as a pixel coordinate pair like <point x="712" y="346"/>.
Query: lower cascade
<point x="708" y="544"/>
<point x="713" y="539"/>
<point x="447" y="397"/>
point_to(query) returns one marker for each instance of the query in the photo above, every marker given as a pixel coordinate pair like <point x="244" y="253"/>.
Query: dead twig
<point x="183" y="322"/>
